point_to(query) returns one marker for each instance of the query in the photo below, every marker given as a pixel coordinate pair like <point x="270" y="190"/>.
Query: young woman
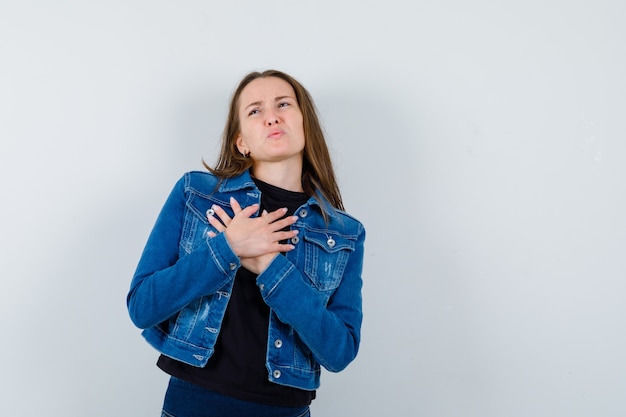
<point x="251" y="277"/>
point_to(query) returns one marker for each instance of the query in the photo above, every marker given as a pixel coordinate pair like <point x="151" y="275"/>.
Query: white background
<point x="483" y="145"/>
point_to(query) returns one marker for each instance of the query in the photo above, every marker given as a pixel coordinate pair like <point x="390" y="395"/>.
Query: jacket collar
<point x="240" y="182"/>
<point x="245" y="181"/>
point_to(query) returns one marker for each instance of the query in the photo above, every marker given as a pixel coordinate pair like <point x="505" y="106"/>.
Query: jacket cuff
<point x="273" y="275"/>
<point x="223" y="255"/>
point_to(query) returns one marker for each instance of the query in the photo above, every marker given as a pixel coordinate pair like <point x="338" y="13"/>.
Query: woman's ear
<point x="241" y="146"/>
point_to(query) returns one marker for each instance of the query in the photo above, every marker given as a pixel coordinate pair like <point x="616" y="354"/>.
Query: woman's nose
<point x="271" y="119"/>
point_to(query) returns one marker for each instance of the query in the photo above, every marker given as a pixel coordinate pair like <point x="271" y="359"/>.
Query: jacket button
<point x="278" y="343"/>
<point x="277" y="374"/>
<point x="233" y="266"/>
<point x="331" y="242"/>
<point x="295" y="240"/>
<point x="303" y="213"/>
<point x="262" y="287"/>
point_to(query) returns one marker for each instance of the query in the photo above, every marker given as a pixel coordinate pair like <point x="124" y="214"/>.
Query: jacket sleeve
<point x="163" y="282"/>
<point x="332" y="330"/>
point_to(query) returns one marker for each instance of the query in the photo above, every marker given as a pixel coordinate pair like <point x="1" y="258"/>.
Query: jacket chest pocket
<point x="196" y="227"/>
<point x="325" y="258"/>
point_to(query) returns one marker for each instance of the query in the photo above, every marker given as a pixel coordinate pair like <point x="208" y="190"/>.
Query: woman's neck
<point x="285" y="176"/>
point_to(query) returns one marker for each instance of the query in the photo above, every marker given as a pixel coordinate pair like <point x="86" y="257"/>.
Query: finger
<point x="286" y="235"/>
<point x="280" y="247"/>
<point x="235" y="205"/>
<point x="213" y="221"/>
<point x="282" y="223"/>
<point x="248" y="211"/>
<point x="275" y="215"/>
<point x="223" y="216"/>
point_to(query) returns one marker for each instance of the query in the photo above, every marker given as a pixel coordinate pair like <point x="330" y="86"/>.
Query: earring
<point x="245" y="155"/>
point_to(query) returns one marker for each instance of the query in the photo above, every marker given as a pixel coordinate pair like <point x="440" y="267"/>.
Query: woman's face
<point x="271" y="128"/>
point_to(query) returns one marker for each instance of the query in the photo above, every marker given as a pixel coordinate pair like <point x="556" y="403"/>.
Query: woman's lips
<point x="275" y="134"/>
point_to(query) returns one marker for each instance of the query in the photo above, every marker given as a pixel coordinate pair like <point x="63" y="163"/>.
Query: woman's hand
<point x="256" y="240"/>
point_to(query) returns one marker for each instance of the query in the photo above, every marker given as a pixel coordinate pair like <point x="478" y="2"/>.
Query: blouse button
<point x="278" y="343"/>
<point x="276" y="374"/>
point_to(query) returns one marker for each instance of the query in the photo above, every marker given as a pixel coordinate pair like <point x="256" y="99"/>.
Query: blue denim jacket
<point x="184" y="279"/>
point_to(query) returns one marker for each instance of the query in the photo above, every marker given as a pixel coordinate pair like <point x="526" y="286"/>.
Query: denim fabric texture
<point x="184" y="279"/>
<point x="184" y="399"/>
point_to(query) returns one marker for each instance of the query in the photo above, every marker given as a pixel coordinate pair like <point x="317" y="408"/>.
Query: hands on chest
<point x="255" y="240"/>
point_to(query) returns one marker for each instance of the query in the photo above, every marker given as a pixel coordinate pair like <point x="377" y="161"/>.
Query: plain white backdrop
<point x="483" y="145"/>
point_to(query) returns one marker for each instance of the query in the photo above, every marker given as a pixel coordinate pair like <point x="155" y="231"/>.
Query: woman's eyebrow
<point x="258" y="103"/>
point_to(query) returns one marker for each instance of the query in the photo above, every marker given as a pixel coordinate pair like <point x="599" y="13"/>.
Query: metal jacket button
<point x="331" y="242"/>
<point x="295" y="240"/>
<point x="303" y="213"/>
<point x="278" y="343"/>
<point x="276" y="374"/>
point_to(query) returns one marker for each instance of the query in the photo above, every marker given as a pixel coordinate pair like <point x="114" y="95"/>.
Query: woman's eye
<point x="253" y="112"/>
<point x="283" y="104"/>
